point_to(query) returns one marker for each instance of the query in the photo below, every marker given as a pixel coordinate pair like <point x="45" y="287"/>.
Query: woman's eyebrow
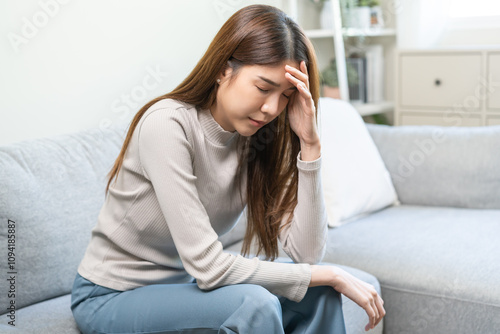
<point x="274" y="83"/>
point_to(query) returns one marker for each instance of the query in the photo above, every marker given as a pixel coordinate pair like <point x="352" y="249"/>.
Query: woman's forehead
<point x="268" y="71"/>
<point x="272" y="75"/>
<point x="280" y="66"/>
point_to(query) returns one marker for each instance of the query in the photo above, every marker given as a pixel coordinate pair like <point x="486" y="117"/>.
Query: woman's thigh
<point x="172" y="308"/>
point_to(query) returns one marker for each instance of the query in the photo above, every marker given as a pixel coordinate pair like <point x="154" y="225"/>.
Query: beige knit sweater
<point x="173" y="197"/>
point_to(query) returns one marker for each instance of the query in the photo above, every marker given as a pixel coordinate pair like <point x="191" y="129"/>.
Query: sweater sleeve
<point x="304" y="240"/>
<point x="167" y="159"/>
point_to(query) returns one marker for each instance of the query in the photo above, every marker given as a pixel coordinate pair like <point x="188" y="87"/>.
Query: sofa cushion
<point x="433" y="264"/>
<point x="48" y="317"/>
<point x="442" y="166"/>
<point x="355" y="180"/>
<point x="53" y="189"/>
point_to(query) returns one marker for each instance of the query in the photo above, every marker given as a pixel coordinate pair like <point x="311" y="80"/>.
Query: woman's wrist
<point x="310" y="152"/>
<point x="323" y="275"/>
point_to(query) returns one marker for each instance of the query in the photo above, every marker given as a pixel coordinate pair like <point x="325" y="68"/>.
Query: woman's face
<point x="258" y="92"/>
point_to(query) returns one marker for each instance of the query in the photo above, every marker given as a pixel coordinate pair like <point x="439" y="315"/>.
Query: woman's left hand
<point x="301" y="109"/>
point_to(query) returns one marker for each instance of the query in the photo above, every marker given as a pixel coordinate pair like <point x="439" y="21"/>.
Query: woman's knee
<point x="260" y="298"/>
<point x="258" y="311"/>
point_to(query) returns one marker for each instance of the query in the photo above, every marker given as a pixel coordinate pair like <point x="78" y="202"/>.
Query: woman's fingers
<point x="303" y="68"/>
<point x="376" y="315"/>
<point x="298" y="75"/>
<point x="302" y="90"/>
<point x="363" y="294"/>
<point x="296" y="82"/>
<point x="376" y="307"/>
<point x="379" y="302"/>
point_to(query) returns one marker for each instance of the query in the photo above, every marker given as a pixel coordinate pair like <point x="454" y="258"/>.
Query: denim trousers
<point x="185" y="308"/>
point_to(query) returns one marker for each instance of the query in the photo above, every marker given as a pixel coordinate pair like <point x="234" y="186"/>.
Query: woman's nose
<point x="271" y="106"/>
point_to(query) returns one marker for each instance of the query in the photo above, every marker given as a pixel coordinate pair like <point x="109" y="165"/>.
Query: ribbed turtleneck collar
<point x="213" y="131"/>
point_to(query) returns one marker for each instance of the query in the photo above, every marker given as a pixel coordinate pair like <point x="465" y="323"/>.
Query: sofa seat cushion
<point x="48" y="317"/>
<point x="447" y="258"/>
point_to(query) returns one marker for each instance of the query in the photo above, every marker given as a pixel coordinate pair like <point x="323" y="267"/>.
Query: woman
<point x="244" y="119"/>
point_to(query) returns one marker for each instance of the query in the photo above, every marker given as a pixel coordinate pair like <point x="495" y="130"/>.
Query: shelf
<point x="338" y="34"/>
<point x="319" y="33"/>
<point x="366" y="109"/>
<point x="350" y="32"/>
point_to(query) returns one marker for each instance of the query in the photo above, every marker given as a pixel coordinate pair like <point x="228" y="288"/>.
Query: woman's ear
<point x="226" y="72"/>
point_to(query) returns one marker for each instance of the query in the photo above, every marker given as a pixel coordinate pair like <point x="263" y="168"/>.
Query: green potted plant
<point x="329" y="79"/>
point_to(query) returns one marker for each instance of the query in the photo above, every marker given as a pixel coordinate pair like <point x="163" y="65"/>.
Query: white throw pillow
<point x="355" y="179"/>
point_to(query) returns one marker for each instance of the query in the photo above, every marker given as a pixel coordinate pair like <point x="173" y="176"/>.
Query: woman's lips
<point x="256" y="123"/>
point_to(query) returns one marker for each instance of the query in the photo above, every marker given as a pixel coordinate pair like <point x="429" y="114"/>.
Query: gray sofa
<point x="434" y="258"/>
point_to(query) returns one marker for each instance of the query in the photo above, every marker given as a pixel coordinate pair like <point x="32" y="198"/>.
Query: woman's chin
<point x="247" y="131"/>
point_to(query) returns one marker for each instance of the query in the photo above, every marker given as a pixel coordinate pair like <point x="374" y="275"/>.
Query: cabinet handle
<point x="437" y="82"/>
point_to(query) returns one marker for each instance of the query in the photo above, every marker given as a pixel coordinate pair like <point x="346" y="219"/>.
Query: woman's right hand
<point x="362" y="293"/>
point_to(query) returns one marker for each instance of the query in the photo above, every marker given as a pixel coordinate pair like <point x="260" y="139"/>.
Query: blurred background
<point x="69" y="65"/>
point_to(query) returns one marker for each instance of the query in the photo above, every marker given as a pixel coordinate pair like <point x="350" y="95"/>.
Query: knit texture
<point x="176" y="193"/>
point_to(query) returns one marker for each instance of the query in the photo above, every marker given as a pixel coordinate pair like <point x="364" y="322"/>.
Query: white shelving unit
<point x="336" y="35"/>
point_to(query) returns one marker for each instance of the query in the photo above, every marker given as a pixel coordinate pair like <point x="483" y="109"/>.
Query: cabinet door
<point x="493" y="121"/>
<point x="440" y="119"/>
<point x="493" y="91"/>
<point x="450" y="81"/>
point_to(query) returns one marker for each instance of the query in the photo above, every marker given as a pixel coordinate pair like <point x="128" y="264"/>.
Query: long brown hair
<point x="254" y="35"/>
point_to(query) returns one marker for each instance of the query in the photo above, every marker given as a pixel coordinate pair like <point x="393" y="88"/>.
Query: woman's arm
<point x="304" y="240"/>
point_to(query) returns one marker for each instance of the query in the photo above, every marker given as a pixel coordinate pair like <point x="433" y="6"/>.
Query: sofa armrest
<point x="442" y="166"/>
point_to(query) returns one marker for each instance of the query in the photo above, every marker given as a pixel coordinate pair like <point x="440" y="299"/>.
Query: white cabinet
<point x="438" y="81"/>
<point x="494" y="80"/>
<point x="446" y="119"/>
<point x="448" y="87"/>
<point x="492" y="120"/>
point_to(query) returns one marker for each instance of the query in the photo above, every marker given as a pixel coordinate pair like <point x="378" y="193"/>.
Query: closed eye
<point x="265" y="91"/>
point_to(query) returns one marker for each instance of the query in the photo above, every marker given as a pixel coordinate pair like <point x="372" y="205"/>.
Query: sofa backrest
<point x="442" y="166"/>
<point x="51" y="189"/>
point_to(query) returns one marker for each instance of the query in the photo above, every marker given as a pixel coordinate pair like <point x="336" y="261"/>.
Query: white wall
<point x="475" y="37"/>
<point x="75" y="64"/>
<point x="424" y="24"/>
